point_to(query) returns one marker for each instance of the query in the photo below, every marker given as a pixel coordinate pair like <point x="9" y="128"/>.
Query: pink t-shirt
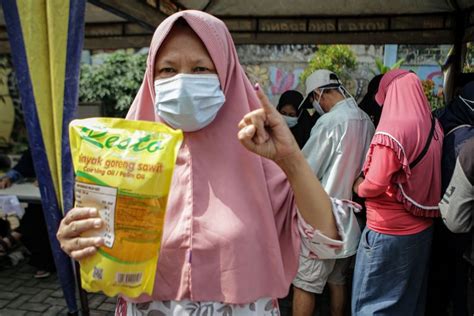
<point x="385" y="214"/>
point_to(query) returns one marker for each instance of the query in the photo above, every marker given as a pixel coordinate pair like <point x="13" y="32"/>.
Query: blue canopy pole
<point x="34" y="111"/>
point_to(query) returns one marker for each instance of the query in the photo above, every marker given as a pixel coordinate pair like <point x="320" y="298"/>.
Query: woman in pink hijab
<point x="401" y="184"/>
<point x="232" y="231"/>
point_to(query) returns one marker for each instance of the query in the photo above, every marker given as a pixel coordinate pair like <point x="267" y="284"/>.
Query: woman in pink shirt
<point x="401" y="184"/>
<point x="232" y="230"/>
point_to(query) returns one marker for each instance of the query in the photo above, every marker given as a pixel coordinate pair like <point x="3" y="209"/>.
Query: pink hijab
<point x="230" y="231"/>
<point x="404" y="127"/>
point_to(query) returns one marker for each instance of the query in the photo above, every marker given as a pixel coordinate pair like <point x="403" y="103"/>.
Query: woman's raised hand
<point x="265" y="132"/>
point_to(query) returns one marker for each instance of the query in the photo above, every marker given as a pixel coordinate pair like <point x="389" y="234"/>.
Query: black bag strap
<point x="427" y="145"/>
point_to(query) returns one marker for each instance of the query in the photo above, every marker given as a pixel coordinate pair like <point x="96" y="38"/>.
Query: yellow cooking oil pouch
<point x="124" y="169"/>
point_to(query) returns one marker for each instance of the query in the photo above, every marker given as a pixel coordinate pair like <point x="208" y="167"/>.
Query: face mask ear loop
<point x="320" y="95"/>
<point x="300" y="106"/>
<point x="342" y="91"/>
<point x="466" y="102"/>
<point x="299" y="115"/>
<point x="346" y="92"/>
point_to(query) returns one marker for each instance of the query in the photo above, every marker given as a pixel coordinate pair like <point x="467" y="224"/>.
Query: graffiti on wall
<point x="425" y="61"/>
<point x="257" y="73"/>
<point x="278" y="67"/>
<point x="275" y="79"/>
<point x="429" y="72"/>
<point x="282" y="80"/>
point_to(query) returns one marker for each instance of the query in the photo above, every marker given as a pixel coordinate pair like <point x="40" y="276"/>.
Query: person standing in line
<point x="335" y="151"/>
<point x="449" y="272"/>
<point x="298" y="119"/>
<point x="401" y="183"/>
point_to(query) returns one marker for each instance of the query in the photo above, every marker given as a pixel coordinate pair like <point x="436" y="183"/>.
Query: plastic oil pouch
<point x="124" y="169"/>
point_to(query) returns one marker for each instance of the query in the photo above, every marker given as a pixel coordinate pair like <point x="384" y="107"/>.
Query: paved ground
<point x="21" y="294"/>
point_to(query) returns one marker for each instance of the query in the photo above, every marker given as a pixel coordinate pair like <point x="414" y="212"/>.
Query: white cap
<point x="321" y="78"/>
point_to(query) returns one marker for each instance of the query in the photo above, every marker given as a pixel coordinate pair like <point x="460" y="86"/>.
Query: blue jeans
<point x="391" y="273"/>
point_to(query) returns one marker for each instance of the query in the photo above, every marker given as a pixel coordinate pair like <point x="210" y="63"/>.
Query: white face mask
<point x="188" y="102"/>
<point x="317" y="105"/>
<point x="290" y="120"/>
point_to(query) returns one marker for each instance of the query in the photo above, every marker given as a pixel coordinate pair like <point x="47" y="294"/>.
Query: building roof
<point x="120" y="24"/>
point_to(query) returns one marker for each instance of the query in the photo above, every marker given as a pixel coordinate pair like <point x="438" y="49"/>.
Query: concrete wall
<point x="277" y="67"/>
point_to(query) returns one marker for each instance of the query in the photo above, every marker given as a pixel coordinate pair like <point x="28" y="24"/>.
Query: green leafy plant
<point x="113" y="83"/>
<point x="338" y="58"/>
<point x="381" y="68"/>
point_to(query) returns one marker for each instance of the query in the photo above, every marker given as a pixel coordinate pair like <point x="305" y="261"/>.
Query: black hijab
<point x="291" y="97"/>
<point x="368" y="103"/>
<point x="458" y="112"/>
<point x="302" y="130"/>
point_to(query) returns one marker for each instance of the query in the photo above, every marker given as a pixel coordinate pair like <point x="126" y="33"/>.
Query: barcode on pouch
<point x="128" y="278"/>
<point x="98" y="273"/>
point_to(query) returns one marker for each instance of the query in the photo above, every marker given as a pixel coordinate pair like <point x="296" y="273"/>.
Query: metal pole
<point x="82" y="293"/>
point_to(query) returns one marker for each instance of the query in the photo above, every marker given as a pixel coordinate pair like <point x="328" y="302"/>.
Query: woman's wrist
<point x="291" y="163"/>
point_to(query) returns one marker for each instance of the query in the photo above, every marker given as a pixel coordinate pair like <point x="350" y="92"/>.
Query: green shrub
<point x="338" y="58"/>
<point x="114" y="83"/>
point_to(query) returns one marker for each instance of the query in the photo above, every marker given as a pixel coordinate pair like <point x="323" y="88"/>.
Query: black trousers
<point x="449" y="273"/>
